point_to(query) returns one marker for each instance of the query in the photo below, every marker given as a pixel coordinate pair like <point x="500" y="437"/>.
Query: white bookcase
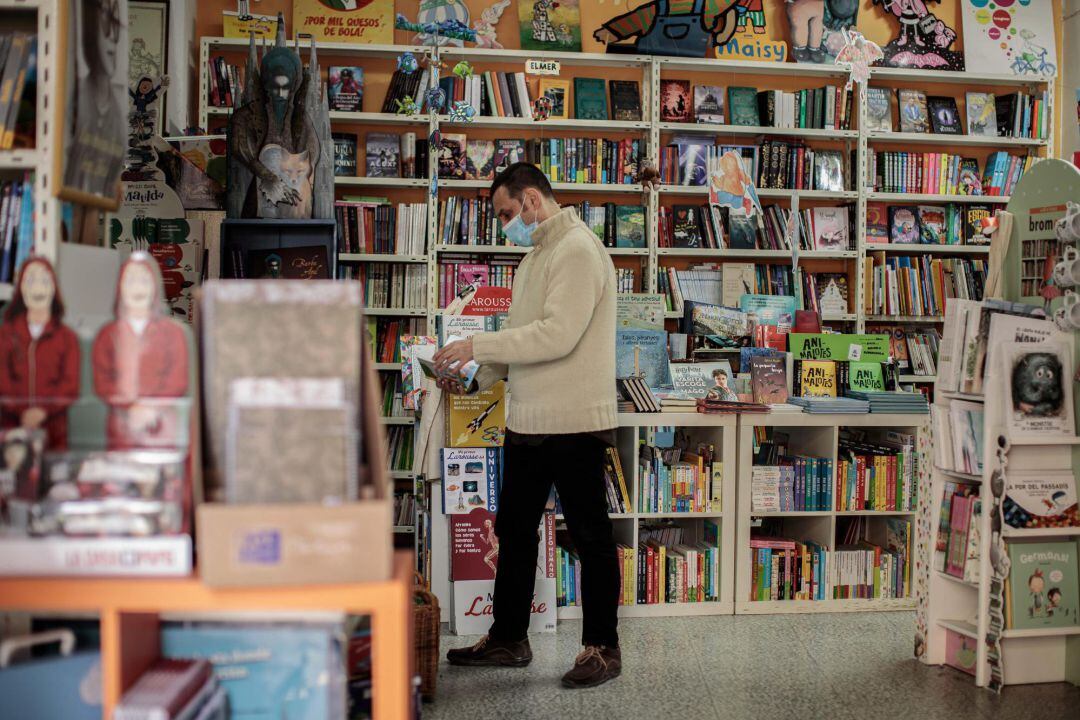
<point x="816" y="435"/>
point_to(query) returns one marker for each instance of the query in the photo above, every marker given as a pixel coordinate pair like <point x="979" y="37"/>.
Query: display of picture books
<point x="1041" y="589"/>
<point x="903" y="224"/>
<point x="1037" y="499"/>
<point x="913" y="111"/>
<point x="345" y="88"/>
<point x="1039" y="401"/>
<point x="768" y="379"/>
<point x="383" y="155"/>
<point x="879" y="110"/>
<point x="944" y="116"/>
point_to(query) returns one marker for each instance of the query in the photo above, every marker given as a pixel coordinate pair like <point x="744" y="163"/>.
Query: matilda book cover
<point x="878" y="110"/>
<point x="1040" y="499"/>
<point x="743" y="106"/>
<point x="383" y="155"/>
<point x="709" y="104"/>
<point x="344" y="154"/>
<point x="479" y="160"/>
<point x="817" y="378"/>
<point x="479" y="419"/>
<point x="630" y="226"/>
<point x="903" y="224"/>
<point x="1041" y="590"/>
<point x="932" y="226"/>
<point x="913" y="112"/>
<point x="345" y="88"/>
<point x="830" y="228"/>
<point x="508" y="152"/>
<point x="877" y="223"/>
<point x="590" y="99"/>
<point x="768" y="379"/>
<point x="625" y="100"/>
<point x="675" y="104"/>
<point x="981" y="114"/>
<point x="452" y="156"/>
<point x="944" y="116"/>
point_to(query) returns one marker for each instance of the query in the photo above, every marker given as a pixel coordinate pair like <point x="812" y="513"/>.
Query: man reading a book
<point x="558" y="353"/>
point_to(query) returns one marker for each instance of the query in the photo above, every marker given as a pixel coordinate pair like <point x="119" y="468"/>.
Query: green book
<point x="1041" y="590"/>
<point x="630" y="226"/>
<point x="742" y="101"/>
<point x="590" y="99"/>
<point x="865" y="376"/>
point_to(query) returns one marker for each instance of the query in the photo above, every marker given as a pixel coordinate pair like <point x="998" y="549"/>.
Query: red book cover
<point x="474" y="548"/>
<point x="860" y="482"/>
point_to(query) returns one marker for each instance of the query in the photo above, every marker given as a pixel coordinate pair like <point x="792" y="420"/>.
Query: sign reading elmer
<point x="357" y="21"/>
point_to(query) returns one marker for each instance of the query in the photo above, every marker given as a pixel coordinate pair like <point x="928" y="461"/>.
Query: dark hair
<point x="718" y="372"/>
<point x="520" y="176"/>
<point x="1054" y="591"/>
<point x="17" y="307"/>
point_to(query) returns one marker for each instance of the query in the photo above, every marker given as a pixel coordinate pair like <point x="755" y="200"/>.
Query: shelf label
<point x="854" y="352"/>
<point x="542" y="67"/>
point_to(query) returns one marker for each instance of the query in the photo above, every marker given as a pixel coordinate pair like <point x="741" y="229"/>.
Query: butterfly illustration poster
<point x="1010" y="36"/>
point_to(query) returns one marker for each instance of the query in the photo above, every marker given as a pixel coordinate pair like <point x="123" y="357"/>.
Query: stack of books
<point x="675" y="402"/>
<point x="825" y="405"/>
<point x="886" y="401"/>
<point x="637" y="391"/>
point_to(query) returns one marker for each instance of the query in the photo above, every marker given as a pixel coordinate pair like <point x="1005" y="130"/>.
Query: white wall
<point x="1070" y="72"/>
<point x="183" y="57"/>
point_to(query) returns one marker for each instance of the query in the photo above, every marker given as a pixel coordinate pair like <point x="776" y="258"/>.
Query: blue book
<point x="643" y="353"/>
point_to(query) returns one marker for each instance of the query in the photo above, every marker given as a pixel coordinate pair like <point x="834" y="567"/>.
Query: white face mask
<point x="518" y="232"/>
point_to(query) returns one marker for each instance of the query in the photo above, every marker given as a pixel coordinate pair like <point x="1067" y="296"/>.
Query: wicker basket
<point x="426" y="625"/>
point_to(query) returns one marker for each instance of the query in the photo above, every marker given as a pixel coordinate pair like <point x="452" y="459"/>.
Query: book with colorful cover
<point x="452" y="156"/>
<point x="776" y="310"/>
<point x="1040" y="499"/>
<point x="1039" y="397"/>
<point x="590" y="99"/>
<point x="686" y="231"/>
<point x="932" y="225"/>
<point x="944" y="116"/>
<point x="479" y="160"/>
<point x="345" y="89"/>
<point x="471" y="479"/>
<point x="478" y="419"/>
<point x="903" y="224"/>
<point x="675" y="102"/>
<point x="630" y="226"/>
<point x="871" y="347"/>
<point x="832" y="294"/>
<point x="877" y="223"/>
<point x="642" y="311"/>
<point x="913" y="112"/>
<point x="817" y="378"/>
<point x="975" y="230"/>
<point x="642" y="353"/>
<point x="413" y="348"/>
<point x="702" y="379"/>
<point x="508" y="152"/>
<point x="768" y="380"/>
<point x="830" y="228"/>
<point x="981" y="114"/>
<point x="559" y="92"/>
<point x="865" y="376"/>
<point x="709" y="104"/>
<point x="472" y="275"/>
<point x="1041" y="590"/>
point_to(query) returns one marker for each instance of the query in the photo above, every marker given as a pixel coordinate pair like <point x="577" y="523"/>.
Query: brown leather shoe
<point x="594" y="666"/>
<point x="490" y="651"/>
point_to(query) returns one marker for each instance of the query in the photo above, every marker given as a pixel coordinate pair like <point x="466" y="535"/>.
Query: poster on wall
<point x="755" y="39"/>
<point x="816" y="29"/>
<point x="923" y="41"/>
<point x="94" y="83"/>
<point x="658" y="28"/>
<point x="345" y="21"/>
<point x="550" y="25"/>
<point x="148" y="55"/>
<point x="1010" y="36"/>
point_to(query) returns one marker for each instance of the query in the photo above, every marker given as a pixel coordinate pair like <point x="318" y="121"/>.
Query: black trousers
<point x="575" y="464"/>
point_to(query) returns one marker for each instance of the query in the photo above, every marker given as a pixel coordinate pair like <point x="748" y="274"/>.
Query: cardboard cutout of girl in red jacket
<point x="140" y="362"/>
<point x="39" y="356"/>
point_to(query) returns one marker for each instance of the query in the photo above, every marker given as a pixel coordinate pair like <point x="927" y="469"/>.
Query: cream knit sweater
<point x="559" y="340"/>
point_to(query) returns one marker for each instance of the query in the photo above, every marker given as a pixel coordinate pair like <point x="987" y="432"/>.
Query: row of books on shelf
<point x="386" y="155"/>
<point x="568" y="160"/>
<point x="16" y="224"/>
<point x="384" y="336"/>
<point x="512" y="94"/>
<point x="878" y="476"/>
<point x="391" y="393"/>
<point x="773" y="164"/>
<point x="404" y="509"/>
<point x="625" y="280"/>
<point x="674" y="480"/>
<point x="380" y="227"/>
<point x="226" y="83"/>
<point x="956" y="547"/>
<point x="826" y="107"/>
<point x="946" y="174"/>
<point x="950" y="224"/>
<point x="618" y="498"/>
<point x="673" y="567"/>
<point x="915" y="351"/>
<point x="798" y="483"/>
<point x="391" y="285"/>
<point x="399" y="445"/>
<point x="456" y="276"/>
<point x="715" y="227"/>
<point x="1019" y="114"/>
<point x="18" y="101"/>
<point x="921" y="285"/>
<point x="722" y="284"/>
<point x="786" y="569"/>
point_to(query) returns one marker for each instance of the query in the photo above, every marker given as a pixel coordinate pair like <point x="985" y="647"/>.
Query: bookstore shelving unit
<point x="816" y="435"/>
<point x="130" y="611"/>
<point x="39" y="17"/>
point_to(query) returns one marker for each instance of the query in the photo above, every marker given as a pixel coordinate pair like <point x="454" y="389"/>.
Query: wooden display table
<point x="129" y="610"/>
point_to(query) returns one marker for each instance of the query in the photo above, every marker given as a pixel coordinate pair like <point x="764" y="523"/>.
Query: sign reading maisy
<point x="542" y="67"/>
<point x="868" y="348"/>
<point x="356" y="21"/>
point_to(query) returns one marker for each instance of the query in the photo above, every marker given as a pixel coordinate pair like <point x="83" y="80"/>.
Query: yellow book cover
<point x="614" y="455"/>
<point x="478" y="420"/>
<point x="818" y="378"/>
<point x="264" y="26"/>
<point x="345" y="21"/>
<point x="559" y="92"/>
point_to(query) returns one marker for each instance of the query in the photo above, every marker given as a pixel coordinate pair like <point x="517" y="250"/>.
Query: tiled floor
<point x="834" y="667"/>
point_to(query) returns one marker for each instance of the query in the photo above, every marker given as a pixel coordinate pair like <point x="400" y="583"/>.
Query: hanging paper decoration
<point x="453" y="30"/>
<point x="541" y="107"/>
<point x="433" y="186"/>
<point x="463" y="69"/>
<point x="731" y="186"/>
<point x="922" y="39"/>
<point x="858" y="54"/>
<point x="485" y="26"/>
<point x="462" y="111"/>
<point x="407" y="106"/>
<point x="406" y="63"/>
<point x="436" y="98"/>
<point x="754" y="39"/>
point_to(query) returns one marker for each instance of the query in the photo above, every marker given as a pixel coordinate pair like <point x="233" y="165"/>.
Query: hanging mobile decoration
<point x="463" y="69"/>
<point x="462" y="111"/>
<point x="999" y="571"/>
<point x="541" y="108"/>
<point x="407" y="106"/>
<point x="452" y="29"/>
<point x="406" y="63"/>
<point x="486" y="35"/>
<point x="858" y="54"/>
<point x="436" y="98"/>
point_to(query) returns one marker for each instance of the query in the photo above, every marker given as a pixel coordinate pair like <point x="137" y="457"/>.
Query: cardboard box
<point x="252" y="545"/>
